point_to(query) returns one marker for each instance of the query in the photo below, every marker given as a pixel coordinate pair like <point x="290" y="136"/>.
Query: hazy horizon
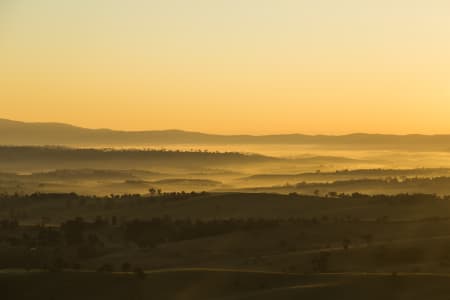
<point x="256" y="67"/>
<point x="43" y="122"/>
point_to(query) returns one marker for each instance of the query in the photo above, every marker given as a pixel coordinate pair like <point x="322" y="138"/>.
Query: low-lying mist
<point x="252" y="169"/>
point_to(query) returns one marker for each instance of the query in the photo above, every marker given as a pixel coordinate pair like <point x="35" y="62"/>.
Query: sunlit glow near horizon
<point x="228" y="66"/>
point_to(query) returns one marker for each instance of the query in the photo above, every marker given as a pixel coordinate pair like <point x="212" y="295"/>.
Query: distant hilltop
<point x="22" y="133"/>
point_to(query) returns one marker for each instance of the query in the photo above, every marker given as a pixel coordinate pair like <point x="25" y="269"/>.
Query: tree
<point x="106" y="268"/>
<point x="368" y="238"/>
<point x="139" y="273"/>
<point x="320" y="262"/>
<point x="333" y="194"/>
<point x="346" y="243"/>
<point x="74" y="231"/>
<point x="126" y="267"/>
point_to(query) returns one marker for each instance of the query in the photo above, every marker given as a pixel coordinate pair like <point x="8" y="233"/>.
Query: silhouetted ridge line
<point x="21" y="133"/>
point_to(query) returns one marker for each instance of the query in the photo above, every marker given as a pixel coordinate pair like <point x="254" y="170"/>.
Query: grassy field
<point x="224" y="246"/>
<point x="222" y="285"/>
<point x="60" y="207"/>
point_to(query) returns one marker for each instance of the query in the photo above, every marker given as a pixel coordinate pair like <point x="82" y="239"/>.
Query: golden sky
<point x="228" y="66"/>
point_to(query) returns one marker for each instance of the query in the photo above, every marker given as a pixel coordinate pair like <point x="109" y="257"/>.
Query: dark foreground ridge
<point x="224" y="246"/>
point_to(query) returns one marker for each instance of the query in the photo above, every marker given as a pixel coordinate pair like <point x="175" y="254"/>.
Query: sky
<point x="228" y="66"/>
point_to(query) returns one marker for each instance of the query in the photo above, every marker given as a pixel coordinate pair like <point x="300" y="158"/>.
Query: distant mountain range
<point x="21" y="133"/>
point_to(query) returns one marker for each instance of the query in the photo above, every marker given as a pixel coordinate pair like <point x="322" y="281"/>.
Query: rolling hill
<point x="21" y="133"/>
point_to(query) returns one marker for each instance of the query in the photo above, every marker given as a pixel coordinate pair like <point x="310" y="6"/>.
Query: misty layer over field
<point x="27" y="169"/>
<point x="175" y="161"/>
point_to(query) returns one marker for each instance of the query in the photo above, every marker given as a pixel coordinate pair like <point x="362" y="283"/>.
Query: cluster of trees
<point x="158" y="230"/>
<point x="435" y="184"/>
<point x="402" y="198"/>
<point x="320" y="263"/>
<point x="53" y="156"/>
<point x="73" y="200"/>
<point x="76" y="240"/>
<point x="9" y="224"/>
<point x="125" y="268"/>
<point x="80" y="234"/>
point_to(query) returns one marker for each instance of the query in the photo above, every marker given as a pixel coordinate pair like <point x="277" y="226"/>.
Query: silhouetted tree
<point x="126" y="267"/>
<point x="106" y="268"/>
<point x="320" y="262"/>
<point x="139" y="273"/>
<point x="346" y="244"/>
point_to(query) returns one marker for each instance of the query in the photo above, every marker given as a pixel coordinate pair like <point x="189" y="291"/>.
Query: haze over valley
<point x="224" y="150"/>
